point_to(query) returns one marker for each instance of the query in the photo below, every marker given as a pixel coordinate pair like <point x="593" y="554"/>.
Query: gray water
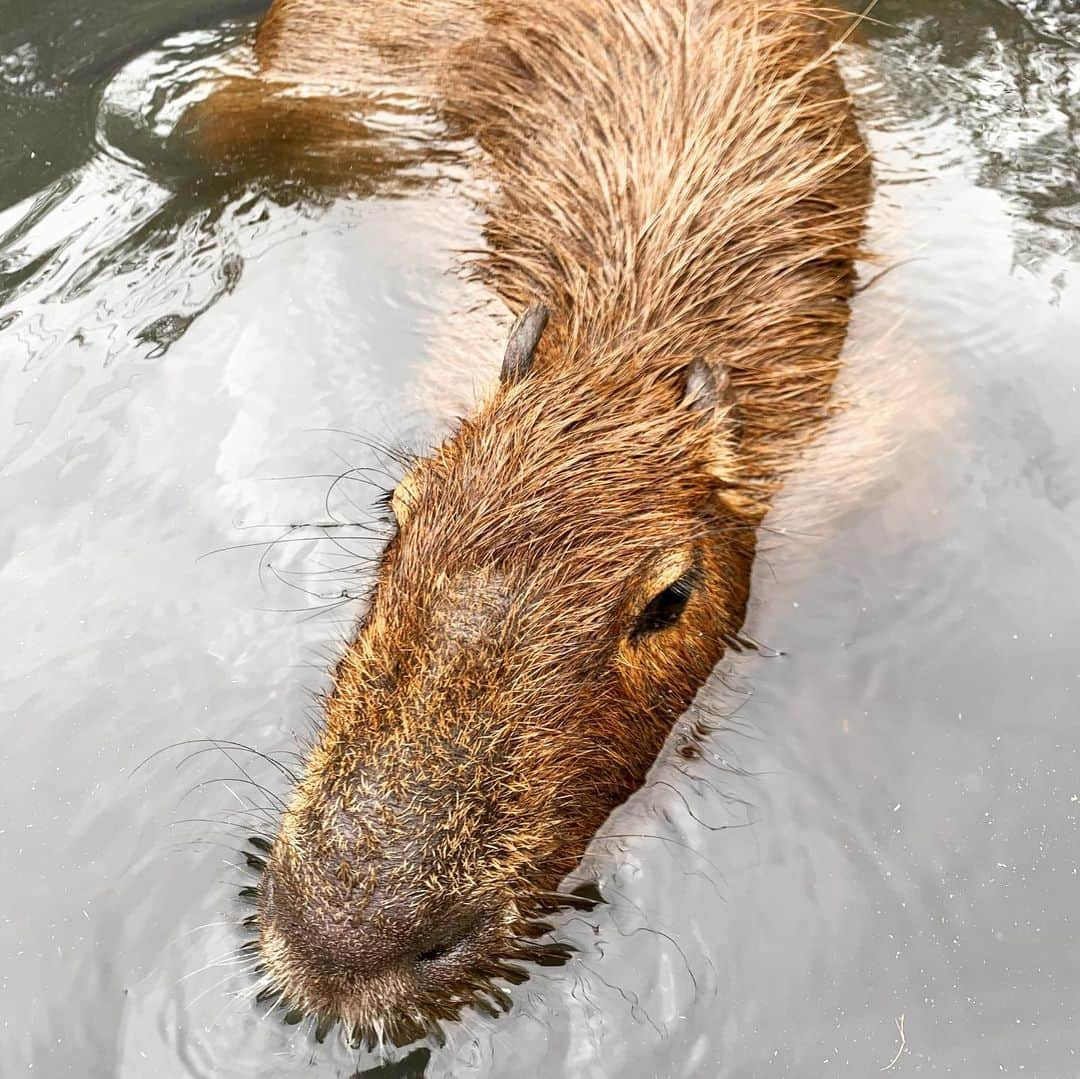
<point x="875" y="862"/>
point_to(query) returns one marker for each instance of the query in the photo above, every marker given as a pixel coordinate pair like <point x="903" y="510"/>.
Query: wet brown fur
<point x="676" y="182"/>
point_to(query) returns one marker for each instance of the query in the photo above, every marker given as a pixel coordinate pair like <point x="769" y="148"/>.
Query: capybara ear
<point x="525" y="335"/>
<point x="404" y="497"/>
<point x="708" y="389"/>
<point x="710" y="398"/>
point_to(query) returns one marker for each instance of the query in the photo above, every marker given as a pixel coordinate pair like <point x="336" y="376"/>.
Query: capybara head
<point x="565" y="570"/>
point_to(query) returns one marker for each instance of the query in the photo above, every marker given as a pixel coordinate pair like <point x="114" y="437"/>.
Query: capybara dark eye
<point x="665" y="608"/>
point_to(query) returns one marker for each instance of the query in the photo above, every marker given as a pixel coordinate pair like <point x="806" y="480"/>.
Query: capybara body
<point x="682" y="186"/>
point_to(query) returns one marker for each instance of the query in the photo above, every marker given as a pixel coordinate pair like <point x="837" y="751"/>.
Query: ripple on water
<point x="992" y="88"/>
<point x="144" y="235"/>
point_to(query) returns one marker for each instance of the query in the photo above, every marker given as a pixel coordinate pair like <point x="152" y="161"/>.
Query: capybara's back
<point x="677" y="191"/>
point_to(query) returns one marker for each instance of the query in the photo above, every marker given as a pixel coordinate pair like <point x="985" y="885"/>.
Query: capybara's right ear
<point x="525" y="335"/>
<point x="404" y="497"/>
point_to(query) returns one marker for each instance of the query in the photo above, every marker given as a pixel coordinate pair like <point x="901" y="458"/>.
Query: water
<point x="880" y="854"/>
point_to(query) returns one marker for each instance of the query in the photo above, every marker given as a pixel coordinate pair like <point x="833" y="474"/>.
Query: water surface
<point x="880" y="850"/>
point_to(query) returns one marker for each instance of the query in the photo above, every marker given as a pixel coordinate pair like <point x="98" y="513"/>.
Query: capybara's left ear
<point x="709" y="396"/>
<point x="525" y="335"/>
<point x="708" y="389"/>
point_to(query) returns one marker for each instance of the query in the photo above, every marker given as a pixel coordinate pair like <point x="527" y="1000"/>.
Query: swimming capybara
<point x="678" y="192"/>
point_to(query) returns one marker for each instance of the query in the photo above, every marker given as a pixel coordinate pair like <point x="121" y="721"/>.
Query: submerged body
<point x="682" y="185"/>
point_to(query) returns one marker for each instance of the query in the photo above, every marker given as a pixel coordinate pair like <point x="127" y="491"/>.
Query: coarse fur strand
<point x="684" y="186"/>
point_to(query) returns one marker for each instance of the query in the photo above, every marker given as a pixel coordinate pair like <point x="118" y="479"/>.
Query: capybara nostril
<point x="452" y="941"/>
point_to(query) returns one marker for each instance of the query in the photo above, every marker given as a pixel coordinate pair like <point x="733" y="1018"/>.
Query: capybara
<point x="674" y="196"/>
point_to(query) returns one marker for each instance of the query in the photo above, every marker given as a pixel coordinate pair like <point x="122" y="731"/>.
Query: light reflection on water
<point x="887" y="825"/>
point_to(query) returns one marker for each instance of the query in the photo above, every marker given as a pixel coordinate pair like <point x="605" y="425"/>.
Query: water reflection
<point x="154" y="228"/>
<point x="1008" y="77"/>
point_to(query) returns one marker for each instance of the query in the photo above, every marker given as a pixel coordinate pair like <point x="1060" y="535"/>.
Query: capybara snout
<point x="350" y="929"/>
